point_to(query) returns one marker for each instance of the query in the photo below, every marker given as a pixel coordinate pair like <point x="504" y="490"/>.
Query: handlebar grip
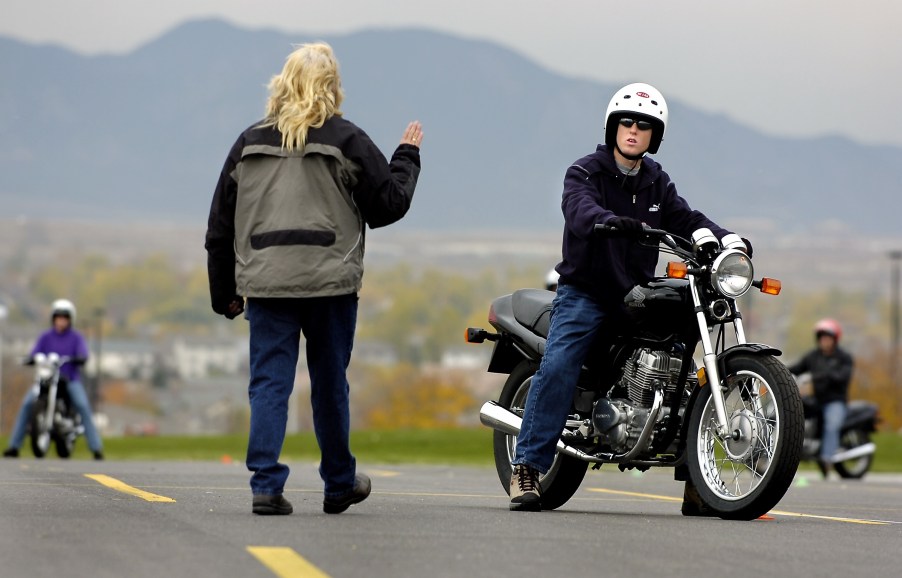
<point x="610" y="231"/>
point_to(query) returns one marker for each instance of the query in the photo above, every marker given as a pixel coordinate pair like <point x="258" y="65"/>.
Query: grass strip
<point x="425" y="446"/>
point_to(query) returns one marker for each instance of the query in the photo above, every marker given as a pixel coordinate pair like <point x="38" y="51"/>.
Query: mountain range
<point x="143" y="135"/>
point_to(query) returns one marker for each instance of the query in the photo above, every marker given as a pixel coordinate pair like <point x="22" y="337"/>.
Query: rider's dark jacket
<point x="830" y="374"/>
<point x="291" y="223"/>
<point x="595" y="190"/>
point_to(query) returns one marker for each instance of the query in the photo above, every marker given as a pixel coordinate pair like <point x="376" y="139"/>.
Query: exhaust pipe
<point x="860" y="451"/>
<point x="498" y="418"/>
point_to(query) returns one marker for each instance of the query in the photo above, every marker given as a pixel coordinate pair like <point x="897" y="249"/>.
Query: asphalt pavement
<point x="193" y="519"/>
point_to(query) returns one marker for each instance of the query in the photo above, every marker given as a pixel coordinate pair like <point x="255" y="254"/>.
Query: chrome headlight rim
<point x="725" y="262"/>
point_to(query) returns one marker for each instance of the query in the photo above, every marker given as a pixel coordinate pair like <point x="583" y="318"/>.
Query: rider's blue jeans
<point x="576" y="319"/>
<point x="328" y="325"/>
<point x="834" y="415"/>
<point x="79" y="400"/>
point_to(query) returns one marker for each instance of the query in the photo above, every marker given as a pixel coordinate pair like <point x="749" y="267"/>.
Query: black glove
<point x="626" y="224"/>
<point x="231" y="308"/>
<point x="748" y="246"/>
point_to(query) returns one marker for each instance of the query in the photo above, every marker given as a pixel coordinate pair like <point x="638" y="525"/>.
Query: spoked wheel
<point x="566" y="473"/>
<point x="855" y="468"/>
<point x="744" y="474"/>
<point x="40" y="430"/>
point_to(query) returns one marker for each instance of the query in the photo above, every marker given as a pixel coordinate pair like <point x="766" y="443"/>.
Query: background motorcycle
<point x="641" y="403"/>
<point x="53" y="416"/>
<point x="856" y="450"/>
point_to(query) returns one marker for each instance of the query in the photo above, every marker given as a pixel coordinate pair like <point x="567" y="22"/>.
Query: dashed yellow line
<point x="773" y="512"/>
<point x="126" y="489"/>
<point x="285" y="562"/>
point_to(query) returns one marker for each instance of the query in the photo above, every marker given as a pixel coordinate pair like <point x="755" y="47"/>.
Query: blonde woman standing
<point x="286" y="234"/>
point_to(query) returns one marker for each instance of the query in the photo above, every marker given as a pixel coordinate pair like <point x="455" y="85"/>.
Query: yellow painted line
<point x="834" y="518"/>
<point x="126" y="489"/>
<point x="285" y="562"/>
<point x="774" y="512"/>
<point x="636" y="495"/>
<point x="383" y="473"/>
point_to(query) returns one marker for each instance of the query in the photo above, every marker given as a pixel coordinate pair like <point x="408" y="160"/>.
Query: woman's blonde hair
<point x="305" y="94"/>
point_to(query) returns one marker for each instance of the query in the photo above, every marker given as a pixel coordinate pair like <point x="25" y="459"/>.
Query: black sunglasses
<point x="640" y="124"/>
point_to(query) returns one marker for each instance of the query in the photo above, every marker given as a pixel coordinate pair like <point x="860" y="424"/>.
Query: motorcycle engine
<point x="645" y="369"/>
<point x="618" y="422"/>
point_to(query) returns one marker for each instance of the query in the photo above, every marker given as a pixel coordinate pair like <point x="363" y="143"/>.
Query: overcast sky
<point x="785" y="67"/>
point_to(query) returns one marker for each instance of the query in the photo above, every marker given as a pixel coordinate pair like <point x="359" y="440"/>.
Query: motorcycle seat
<point x="532" y="308"/>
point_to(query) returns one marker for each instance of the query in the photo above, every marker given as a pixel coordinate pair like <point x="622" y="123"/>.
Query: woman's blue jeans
<point x="328" y="325"/>
<point x="576" y="319"/>
<point x="79" y="400"/>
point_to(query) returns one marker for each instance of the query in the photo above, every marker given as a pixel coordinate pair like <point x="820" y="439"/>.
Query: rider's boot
<point x="525" y="491"/>
<point x="693" y="504"/>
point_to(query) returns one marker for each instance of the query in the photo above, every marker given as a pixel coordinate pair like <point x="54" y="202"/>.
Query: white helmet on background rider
<point x="64" y="308"/>
<point x="639" y="101"/>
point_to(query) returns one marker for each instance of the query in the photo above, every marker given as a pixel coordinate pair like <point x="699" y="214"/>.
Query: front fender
<point x="753" y="348"/>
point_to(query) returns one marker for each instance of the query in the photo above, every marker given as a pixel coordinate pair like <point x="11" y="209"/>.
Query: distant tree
<point x="873" y="381"/>
<point x="405" y="397"/>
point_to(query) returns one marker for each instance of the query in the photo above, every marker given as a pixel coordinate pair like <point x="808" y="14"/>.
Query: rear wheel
<point x="855" y="468"/>
<point x="565" y="475"/>
<point x="744" y="474"/>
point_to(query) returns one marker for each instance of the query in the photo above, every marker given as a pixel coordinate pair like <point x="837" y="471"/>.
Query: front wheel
<point x="565" y="475"/>
<point x="65" y="444"/>
<point x="744" y="474"/>
<point x="40" y="429"/>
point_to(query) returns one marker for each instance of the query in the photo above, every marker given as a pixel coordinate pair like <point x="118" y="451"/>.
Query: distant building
<point x="126" y="359"/>
<point x="200" y="357"/>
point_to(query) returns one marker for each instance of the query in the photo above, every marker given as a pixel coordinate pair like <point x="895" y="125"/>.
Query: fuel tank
<point x="662" y="306"/>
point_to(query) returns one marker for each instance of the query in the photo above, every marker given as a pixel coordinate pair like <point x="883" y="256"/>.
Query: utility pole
<point x="3" y="313"/>
<point x="896" y="257"/>
<point x="95" y="389"/>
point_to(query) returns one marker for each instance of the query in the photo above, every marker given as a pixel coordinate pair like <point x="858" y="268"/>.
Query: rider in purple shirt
<point x="63" y="340"/>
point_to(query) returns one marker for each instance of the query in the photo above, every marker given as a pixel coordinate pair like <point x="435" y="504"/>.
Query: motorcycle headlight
<point x="732" y="273"/>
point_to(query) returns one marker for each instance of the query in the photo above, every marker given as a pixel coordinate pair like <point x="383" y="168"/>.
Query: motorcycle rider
<point x="64" y="340"/>
<point x="831" y="372"/>
<point x="620" y="186"/>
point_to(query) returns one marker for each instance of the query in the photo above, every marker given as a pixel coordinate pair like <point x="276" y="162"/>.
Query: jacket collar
<point x="650" y="171"/>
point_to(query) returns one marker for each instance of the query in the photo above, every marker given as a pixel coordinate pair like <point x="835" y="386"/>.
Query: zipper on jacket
<point x="357" y="244"/>
<point x="238" y="255"/>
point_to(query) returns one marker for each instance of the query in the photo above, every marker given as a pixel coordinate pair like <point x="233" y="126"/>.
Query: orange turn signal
<point x="677" y="270"/>
<point x="771" y="286"/>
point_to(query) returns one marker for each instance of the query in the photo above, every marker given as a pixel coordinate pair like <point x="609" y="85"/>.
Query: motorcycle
<point x="856" y="450"/>
<point x="53" y="415"/>
<point x="734" y="426"/>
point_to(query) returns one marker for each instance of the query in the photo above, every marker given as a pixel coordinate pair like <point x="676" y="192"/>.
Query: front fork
<point x="710" y="359"/>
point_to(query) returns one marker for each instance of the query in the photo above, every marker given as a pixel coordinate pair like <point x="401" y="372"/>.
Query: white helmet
<point x="63" y="307"/>
<point x="637" y="100"/>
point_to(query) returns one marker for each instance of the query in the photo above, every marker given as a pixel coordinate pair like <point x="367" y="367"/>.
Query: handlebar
<point x="660" y="235"/>
<point x="62" y="360"/>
